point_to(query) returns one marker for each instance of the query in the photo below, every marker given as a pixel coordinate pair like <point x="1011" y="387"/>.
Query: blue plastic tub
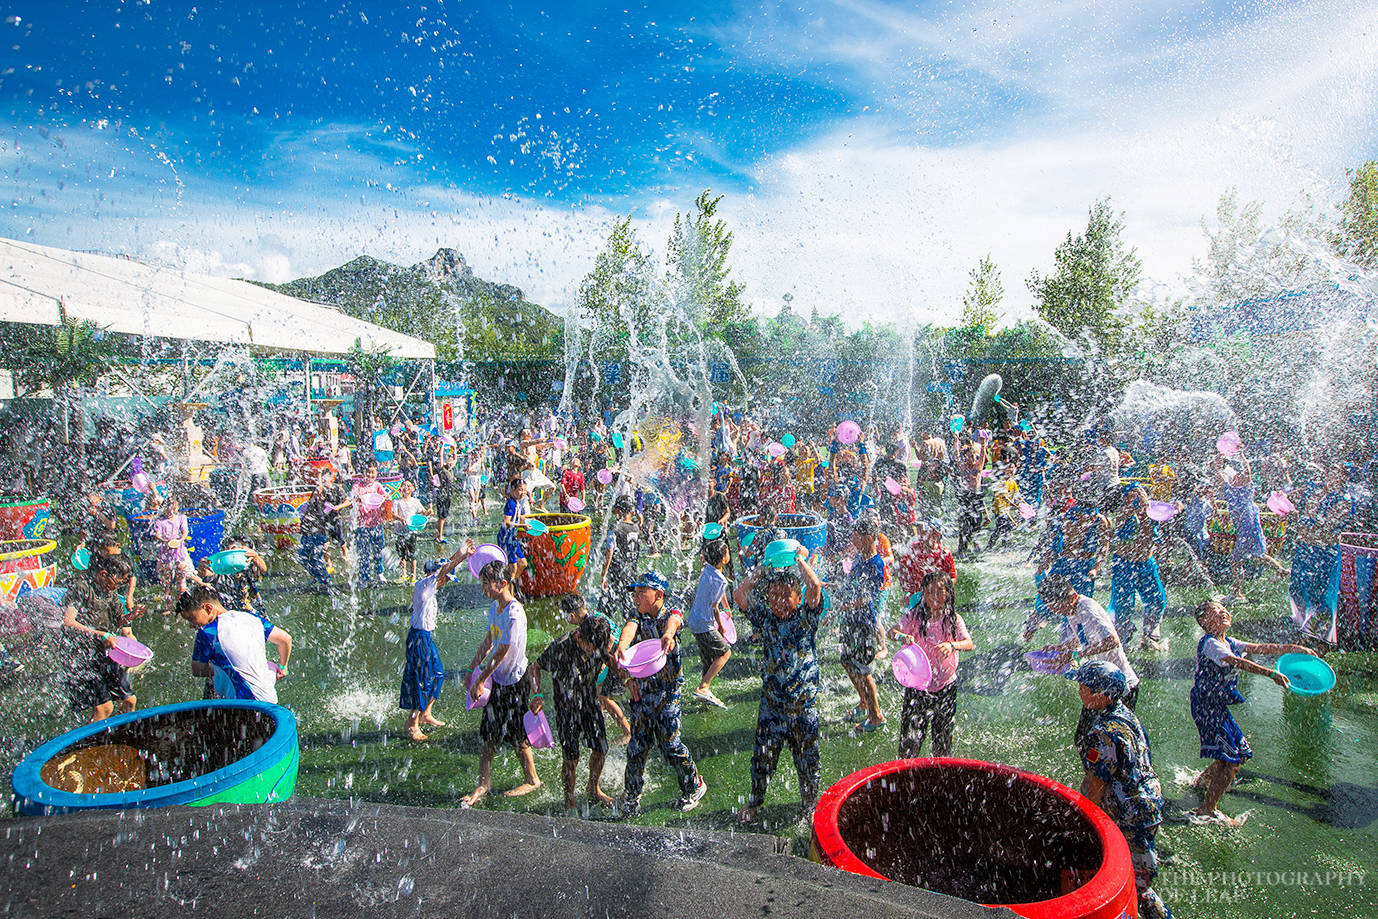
<point x="195" y="753"/>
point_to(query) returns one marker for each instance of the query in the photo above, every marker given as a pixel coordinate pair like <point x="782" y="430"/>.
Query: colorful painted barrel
<point x="392" y="484"/>
<point x="1274" y="530"/>
<point x="809" y="529"/>
<point x="556" y="558"/>
<point x="124" y="499"/>
<point x="1357" y="625"/>
<point x="1220" y="527"/>
<point x="207" y="527"/>
<point x="315" y="466"/>
<point x="194" y="753"/>
<point x="24" y="518"/>
<point x="983" y="832"/>
<point x="26" y="561"/>
<point x="279" y="513"/>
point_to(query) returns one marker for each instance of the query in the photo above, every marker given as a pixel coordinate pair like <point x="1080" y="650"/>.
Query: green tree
<point x="1093" y="277"/>
<point x="697" y="272"/>
<point x="620" y="291"/>
<point x="1242" y="260"/>
<point x="1357" y="236"/>
<point x="368" y="368"/>
<point x="981" y="304"/>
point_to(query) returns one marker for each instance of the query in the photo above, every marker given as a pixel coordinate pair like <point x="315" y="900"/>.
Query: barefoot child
<point x="933" y="625"/>
<point x="609" y="686"/>
<point x="403" y="509"/>
<point x="706" y="618"/>
<point x="1216" y="688"/>
<point x="860" y="617"/>
<point x="424" y="673"/>
<point x="171" y="532"/>
<point x="786" y="615"/>
<point x="573" y="663"/>
<point x="510" y="695"/>
<point x="518" y="506"/>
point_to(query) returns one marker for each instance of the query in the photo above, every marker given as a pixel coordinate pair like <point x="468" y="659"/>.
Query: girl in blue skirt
<point x="424" y="672"/>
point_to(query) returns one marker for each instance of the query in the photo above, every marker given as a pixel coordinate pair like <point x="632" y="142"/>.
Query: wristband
<point x="282" y="670"/>
<point x="107" y="635"/>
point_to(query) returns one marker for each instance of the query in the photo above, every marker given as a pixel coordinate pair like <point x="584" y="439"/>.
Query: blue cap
<point x="650" y="579"/>
<point x="434" y="565"/>
<point x="1102" y="677"/>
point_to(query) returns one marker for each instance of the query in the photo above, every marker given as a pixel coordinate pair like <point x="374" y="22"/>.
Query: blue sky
<point x="870" y="152"/>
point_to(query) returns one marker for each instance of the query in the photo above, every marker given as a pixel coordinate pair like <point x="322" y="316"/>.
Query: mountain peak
<point x="444" y="265"/>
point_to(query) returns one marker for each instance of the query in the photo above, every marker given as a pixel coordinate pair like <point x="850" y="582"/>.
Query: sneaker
<point x="628" y="809"/>
<point x="686" y="804"/>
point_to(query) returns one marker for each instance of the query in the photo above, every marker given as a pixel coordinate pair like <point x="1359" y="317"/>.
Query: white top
<point x="1090" y="625"/>
<point x="240" y="636"/>
<point x="1108" y="465"/>
<point x="509" y="628"/>
<point x="256" y="458"/>
<point x="423" y="606"/>
<point x="402" y="511"/>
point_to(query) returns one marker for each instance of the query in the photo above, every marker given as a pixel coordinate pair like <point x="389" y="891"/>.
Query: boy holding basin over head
<point x="655" y="710"/>
<point x="510" y="694"/>
<point x="786" y="615"/>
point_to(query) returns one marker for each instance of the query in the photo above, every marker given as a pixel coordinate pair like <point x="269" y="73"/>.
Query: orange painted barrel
<point x="984" y="832"/>
<point x="556" y="558"/>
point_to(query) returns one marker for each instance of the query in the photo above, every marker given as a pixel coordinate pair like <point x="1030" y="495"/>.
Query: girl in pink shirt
<point x="933" y="625"/>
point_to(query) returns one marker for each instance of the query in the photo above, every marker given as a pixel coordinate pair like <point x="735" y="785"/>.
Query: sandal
<point x="856" y="714"/>
<point x="869" y="727"/>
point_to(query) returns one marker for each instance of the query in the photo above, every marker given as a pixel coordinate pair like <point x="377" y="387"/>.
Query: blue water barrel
<point x="809" y="529"/>
<point x="207" y="528"/>
<point x="195" y="753"/>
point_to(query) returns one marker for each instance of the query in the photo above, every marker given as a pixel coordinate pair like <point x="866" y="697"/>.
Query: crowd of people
<point x="891" y="500"/>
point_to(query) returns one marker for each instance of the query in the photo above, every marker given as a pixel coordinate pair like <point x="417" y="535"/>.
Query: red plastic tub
<point x="980" y="831"/>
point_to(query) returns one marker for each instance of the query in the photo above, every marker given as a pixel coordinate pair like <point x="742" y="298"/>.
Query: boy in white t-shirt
<point x="1086" y="629"/>
<point x="510" y="695"/>
<point x="230" y="647"/>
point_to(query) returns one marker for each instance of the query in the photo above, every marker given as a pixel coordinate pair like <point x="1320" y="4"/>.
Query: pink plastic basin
<point x="644" y="659"/>
<point x="128" y="652"/>
<point x="911" y="667"/>
<point x="483" y="555"/>
<point x="538" y="730"/>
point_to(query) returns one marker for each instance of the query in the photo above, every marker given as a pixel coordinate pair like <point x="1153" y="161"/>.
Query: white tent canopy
<point x="39" y="283"/>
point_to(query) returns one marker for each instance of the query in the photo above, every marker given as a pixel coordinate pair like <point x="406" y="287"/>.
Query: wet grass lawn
<point x="1310" y="793"/>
